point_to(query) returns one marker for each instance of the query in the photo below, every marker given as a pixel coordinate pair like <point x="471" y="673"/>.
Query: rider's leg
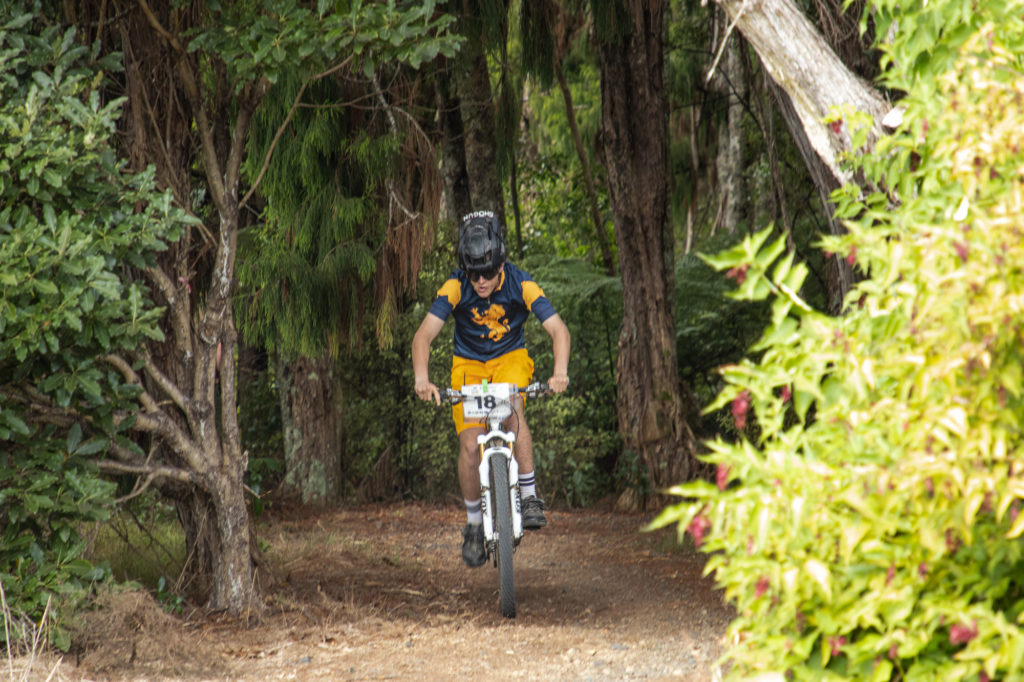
<point x="524" y="440"/>
<point x="533" y="506"/>
<point x="473" y="553"/>
<point x="469" y="464"/>
<point x="466" y="371"/>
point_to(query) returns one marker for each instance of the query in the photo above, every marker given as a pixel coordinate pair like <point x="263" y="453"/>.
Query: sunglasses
<point x="477" y="275"/>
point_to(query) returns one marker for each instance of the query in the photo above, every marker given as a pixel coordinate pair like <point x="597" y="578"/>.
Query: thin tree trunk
<point x="729" y="85"/>
<point x="634" y="128"/>
<point x="838" y="274"/>
<point x="513" y="187"/>
<point x="588" y="177"/>
<point x="736" y="194"/>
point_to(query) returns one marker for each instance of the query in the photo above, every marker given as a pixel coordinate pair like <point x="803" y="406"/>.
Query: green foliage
<point x="408" y="442"/>
<point x="869" y="528"/>
<point x="287" y="37"/>
<point x="141" y="543"/>
<point x="575" y="434"/>
<point x="571" y="455"/>
<point x="259" y="419"/>
<point x="556" y="210"/>
<point x="309" y="266"/>
<point x="712" y="328"/>
<point x="71" y="223"/>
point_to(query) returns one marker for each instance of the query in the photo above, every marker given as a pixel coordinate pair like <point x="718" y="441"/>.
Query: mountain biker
<point x="490" y="300"/>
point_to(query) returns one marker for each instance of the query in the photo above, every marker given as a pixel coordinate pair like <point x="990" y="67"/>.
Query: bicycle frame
<point x="498" y="442"/>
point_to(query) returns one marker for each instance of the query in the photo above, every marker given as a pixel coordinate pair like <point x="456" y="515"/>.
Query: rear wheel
<point x="503" y="524"/>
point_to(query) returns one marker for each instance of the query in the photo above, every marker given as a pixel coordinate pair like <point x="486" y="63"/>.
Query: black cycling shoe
<point x="473" y="545"/>
<point x="533" y="513"/>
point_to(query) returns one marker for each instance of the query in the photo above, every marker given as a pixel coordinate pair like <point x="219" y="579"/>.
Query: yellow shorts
<point x="515" y="367"/>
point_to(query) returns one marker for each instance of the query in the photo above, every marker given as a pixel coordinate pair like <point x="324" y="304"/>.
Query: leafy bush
<point x="871" y="528"/>
<point x="575" y="435"/>
<point x="70" y="222"/>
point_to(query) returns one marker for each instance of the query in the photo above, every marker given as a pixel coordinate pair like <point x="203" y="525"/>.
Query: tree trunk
<point x="634" y="129"/>
<point x="731" y="181"/>
<point x="477" y="107"/>
<point x="454" y="176"/>
<point x="188" y="380"/>
<point x="311" y="426"/>
<point x="801" y="62"/>
<point x="814" y="81"/>
<point x="838" y="274"/>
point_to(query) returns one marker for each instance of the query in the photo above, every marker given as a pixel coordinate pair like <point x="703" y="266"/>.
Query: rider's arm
<point x="428" y="331"/>
<point x="560" y="343"/>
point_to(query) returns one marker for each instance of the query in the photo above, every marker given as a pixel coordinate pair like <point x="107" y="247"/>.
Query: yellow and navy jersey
<point x="486" y="328"/>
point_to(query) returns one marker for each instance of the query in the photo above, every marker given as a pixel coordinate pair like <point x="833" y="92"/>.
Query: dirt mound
<point x="128" y="633"/>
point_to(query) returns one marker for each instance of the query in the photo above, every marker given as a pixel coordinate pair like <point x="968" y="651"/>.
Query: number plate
<point x="478" y="402"/>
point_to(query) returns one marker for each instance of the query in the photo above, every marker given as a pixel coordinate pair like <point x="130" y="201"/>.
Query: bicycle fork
<point x="504" y="449"/>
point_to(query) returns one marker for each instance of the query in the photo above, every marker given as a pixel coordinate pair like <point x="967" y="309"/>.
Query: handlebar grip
<point x="536" y="389"/>
<point x="450" y="395"/>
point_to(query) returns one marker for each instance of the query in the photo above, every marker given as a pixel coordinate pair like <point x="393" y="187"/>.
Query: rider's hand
<point x="558" y="382"/>
<point x="427" y="391"/>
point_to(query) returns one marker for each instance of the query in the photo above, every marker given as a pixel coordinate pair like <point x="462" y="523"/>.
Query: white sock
<point x="527" y="485"/>
<point x="474" y="514"/>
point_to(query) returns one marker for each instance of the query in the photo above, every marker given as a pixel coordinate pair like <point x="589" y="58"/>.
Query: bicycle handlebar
<point x="534" y="390"/>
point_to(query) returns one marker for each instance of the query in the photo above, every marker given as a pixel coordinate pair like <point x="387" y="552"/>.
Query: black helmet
<point x="481" y="244"/>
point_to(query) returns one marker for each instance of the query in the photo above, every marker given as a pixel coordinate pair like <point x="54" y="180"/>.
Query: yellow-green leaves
<point x="871" y="525"/>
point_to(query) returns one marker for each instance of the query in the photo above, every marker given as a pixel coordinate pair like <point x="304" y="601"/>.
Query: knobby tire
<point x="503" y="525"/>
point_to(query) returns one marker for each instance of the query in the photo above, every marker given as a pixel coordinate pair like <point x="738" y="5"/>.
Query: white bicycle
<point x="501" y="501"/>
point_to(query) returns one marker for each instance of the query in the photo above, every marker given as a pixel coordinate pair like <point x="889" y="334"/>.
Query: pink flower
<point x="961" y="634"/>
<point x="961" y="250"/>
<point x="698" y="527"/>
<point x="740" y="405"/>
<point x="952" y="541"/>
<point x="738" y="273"/>
<point x="836" y="644"/>
<point x="722" y="476"/>
<point x="762" y="586"/>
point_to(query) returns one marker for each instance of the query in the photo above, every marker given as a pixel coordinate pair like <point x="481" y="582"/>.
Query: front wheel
<point x="501" y="493"/>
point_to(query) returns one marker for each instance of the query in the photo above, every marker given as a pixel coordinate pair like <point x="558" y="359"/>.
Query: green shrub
<point x="871" y="528"/>
<point x="71" y="222"/>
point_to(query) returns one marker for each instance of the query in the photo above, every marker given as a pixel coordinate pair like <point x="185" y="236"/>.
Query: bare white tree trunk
<point x="812" y="81"/>
<point x="735" y="187"/>
<point x="800" y="61"/>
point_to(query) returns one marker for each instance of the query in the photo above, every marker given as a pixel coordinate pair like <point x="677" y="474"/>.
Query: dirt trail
<point x="381" y="593"/>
